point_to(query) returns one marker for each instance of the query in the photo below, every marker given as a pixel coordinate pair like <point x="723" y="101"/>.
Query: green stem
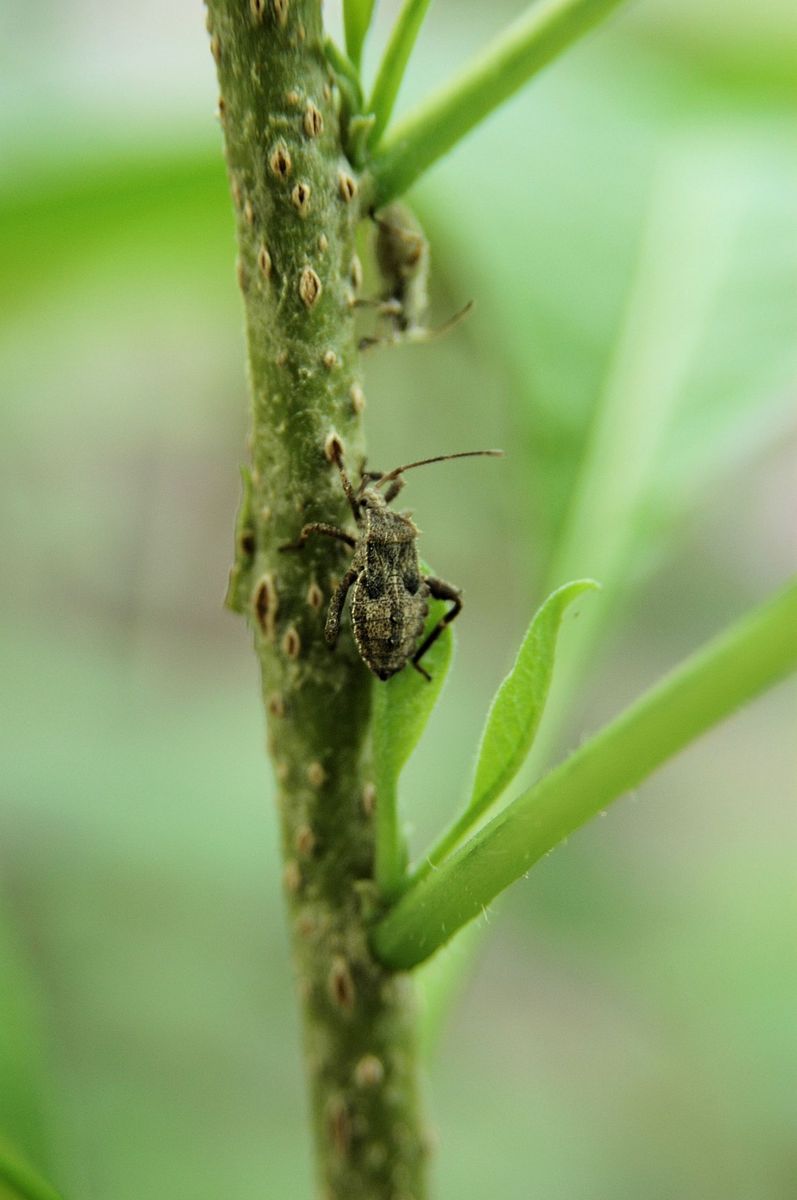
<point x="390" y="857"/>
<point x="444" y="118"/>
<point x="297" y="205"/>
<point x="748" y="658"/>
<point x="347" y="73"/>
<point x="24" y="1182"/>
<point x="357" y="16"/>
<point x="394" y="63"/>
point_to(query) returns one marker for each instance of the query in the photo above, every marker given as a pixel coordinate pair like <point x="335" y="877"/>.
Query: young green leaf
<point x="514" y="716"/>
<point x="751" y="656"/>
<point x="518" y="705"/>
<point x="357" y="16"/>
<point x="402" y="706"/>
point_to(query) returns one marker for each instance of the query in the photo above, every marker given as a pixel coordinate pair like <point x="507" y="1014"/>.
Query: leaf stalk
<point x="442" y="120"/>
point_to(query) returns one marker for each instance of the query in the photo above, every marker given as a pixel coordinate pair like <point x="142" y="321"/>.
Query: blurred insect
<point x="402" y="255"/>
<point x="389" y="595"/>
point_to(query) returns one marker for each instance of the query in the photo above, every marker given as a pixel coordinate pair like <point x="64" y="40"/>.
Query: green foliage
<point x="401" y="707"/>
<point x="357" y="16"/>
<point x="394" y="63"/>
<point x="644" y="375"/>
<point x="756" y="653"/>
<point x="436" y="126"/>
<point x="679" y="345"/>
<point x="514" y="717"/>
<point x="141" y="662"/>
<point x="518" y="705"/>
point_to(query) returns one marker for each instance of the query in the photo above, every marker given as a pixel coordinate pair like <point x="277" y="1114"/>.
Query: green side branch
<point x="438" y="123"/>
<point x="393" y="64"/>
<point x="297" y="202"/>
<point x="750" y="657"/>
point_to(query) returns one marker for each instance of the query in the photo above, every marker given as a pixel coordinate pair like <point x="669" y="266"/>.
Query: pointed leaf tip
<point x="518" y="705"/>
<point x="512" y="720"/>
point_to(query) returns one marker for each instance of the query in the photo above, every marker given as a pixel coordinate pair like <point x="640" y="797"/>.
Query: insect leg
<point x="393" y="490"/>
<point x="441" y="591"/>
<point x="386" y="306"/>
<point x="390" y="308"/>
<point x="419" y="333"/>
<point x="332" y="626"/>
<point x="322" y="528"/>
<point x="407" y="333"/>
<point x="369" y="476"/>
<point x="344" y="479"/>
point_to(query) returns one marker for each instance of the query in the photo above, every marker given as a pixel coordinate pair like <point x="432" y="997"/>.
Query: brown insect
<point x="389" y="594"/>
<point x="402" y="255"/>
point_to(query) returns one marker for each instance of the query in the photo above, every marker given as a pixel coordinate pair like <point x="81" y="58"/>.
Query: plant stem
<point x="438" y="123"/>
<point x="394" y="63"/>
<point x="753" y="655"/>
<point x="357" y="16"/>
<point x="297" y="205"/>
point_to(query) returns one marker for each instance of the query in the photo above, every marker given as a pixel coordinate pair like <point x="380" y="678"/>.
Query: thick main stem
<point x="297" y="205"/>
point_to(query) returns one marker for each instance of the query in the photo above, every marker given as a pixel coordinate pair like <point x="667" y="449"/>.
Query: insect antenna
<point x="424" y="462"/>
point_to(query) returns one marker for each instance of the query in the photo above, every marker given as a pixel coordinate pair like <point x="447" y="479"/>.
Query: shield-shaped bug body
<point x="389" y="593"/>
<point x="389" y="598"/>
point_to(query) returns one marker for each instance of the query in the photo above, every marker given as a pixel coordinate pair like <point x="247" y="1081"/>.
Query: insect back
<point x="389" y="598"/>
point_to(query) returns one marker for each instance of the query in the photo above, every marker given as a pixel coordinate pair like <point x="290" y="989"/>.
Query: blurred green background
<point x="628" y="230"/>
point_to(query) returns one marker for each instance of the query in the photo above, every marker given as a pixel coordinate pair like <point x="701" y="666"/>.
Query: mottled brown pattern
<point x="389" y="599"/>
<point x="389" y="595"/>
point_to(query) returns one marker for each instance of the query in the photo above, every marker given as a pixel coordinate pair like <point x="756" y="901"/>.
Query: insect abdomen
<point x="387" y="622"/>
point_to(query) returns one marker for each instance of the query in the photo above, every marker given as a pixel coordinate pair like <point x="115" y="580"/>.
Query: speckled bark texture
<point x="297" y="201"/>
